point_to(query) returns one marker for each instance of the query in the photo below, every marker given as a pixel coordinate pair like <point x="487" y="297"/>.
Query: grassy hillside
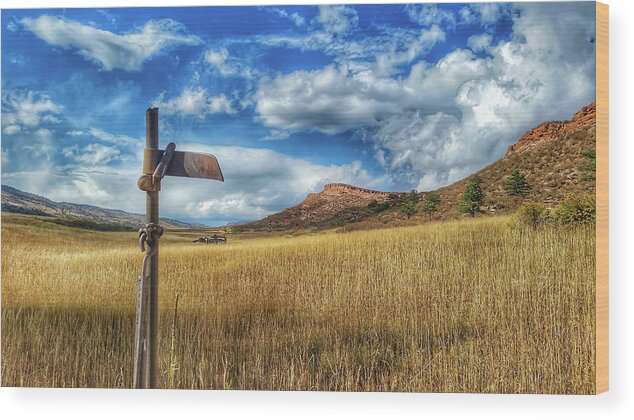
<point x="457" y="306"/>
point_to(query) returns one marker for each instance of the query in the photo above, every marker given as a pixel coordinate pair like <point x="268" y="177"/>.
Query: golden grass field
<point x="464" y="306"/>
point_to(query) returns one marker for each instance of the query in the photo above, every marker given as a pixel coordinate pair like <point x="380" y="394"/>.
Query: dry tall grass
<point x="469" y="306"/>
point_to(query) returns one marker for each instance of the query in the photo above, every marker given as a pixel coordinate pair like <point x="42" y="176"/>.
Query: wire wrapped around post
<point x="149" y="236"/>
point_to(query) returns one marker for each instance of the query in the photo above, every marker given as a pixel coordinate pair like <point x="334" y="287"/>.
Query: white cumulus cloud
<point x="337" y="19"/>
<point x="387" y="63"/>
<point x="480" y="42"/>
<point x="226" y="65"/>
<point x="445" y="120"/>
<point x="484" y="14"/>
<point x="109" y="50"/>
<point x="430" y="14"/>
<point x="28" y="109"/>
<point x="12" y="129"/>
<point x="329" y="100"/>
<point x="218" y="59"/>
<point x="195" y="102"/>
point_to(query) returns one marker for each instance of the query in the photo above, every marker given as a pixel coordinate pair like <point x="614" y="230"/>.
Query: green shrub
<point x="377" y="207"/>
<point x="337" y="222"/>
<point x="589" y="153"/>
<point x="588" y="166"/>
<point x="531" y="215"/>
<point x="591" y="164"/>
<point x="575" y="210"/>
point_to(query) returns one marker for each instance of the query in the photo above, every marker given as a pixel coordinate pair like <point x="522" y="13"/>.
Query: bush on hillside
<point x="377" y="207"/>
<point x="531" y="215"/>
<point x="572" y="211"/>
<point x="575" y="210"/>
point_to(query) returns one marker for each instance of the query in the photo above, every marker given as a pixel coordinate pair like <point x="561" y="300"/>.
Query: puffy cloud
<point x="491" y="13"/>
<point x="337" y="19"/>
<point x="328" y="100"/>
<point x="92" y="154"/>
<point x="111" y="51"/>
<point x="227" y="65"/>
<point x="195" y="102"/>
<point x="446" y="120"/>
<point x="107" y="189"/>
<point x="430" y="14"/>
<point x="12" y="129"/>
<point x="218" y="59"/>
<point x="44" y="133"/>
<point x="414" y="144"/>
<point x="420" y="46"/>
<point x="479" y="43"/>
<point x="485" y="14"/>
<point x="28" y="109"/>
<point x="332" y="100"/>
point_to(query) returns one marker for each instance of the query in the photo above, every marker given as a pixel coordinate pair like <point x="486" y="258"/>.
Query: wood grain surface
<point x="602" y="226"/>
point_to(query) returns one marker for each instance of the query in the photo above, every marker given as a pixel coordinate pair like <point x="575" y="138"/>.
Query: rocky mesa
<point x="337" y="204"/>
<point x="553" y="130"/>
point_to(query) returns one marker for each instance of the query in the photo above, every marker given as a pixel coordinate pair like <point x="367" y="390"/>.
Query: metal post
<point x="146" y="340"/>
<point x="152" y="216"/>
<point x="157" y="164"/>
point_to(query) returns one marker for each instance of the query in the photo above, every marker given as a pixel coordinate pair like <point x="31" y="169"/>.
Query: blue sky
<point x="391" y="97"/>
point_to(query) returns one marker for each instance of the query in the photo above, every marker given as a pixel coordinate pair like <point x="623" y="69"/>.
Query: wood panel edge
<point x="602" y="198"/>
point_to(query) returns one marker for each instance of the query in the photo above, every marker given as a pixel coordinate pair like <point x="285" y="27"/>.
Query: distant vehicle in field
<point x="215" y="239"/>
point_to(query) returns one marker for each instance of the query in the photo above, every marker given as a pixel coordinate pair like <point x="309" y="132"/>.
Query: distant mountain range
<point x="555" y="158"/>
<point x="80" y="215"/>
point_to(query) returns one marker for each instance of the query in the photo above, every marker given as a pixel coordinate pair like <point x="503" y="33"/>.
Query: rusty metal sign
<point x="176" y="163"/>
<point x="184" y="164"/>
<point x="195" y="165"/>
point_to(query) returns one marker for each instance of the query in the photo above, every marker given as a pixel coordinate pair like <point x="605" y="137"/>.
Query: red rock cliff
<point x="553" y="130"/>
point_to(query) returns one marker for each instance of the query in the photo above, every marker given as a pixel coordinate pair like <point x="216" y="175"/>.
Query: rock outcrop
<point x="554" y="130"/>
<point x="338" y="190"/>
<point x="336" y="204"/>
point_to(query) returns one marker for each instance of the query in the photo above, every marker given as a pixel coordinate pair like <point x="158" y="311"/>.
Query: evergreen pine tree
<point x="516" y="185"/>
<point x="409" y="206"/>
<point x="472" y="198"/>
<point x="430" y="203"/>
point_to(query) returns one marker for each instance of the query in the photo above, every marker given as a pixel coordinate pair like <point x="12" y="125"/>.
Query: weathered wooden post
<point x="156" y="164"/>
